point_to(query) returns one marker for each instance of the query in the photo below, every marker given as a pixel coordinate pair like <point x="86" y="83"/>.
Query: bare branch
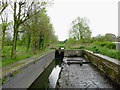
<point x="4" y="6"/>
<point x="11" y="6"/>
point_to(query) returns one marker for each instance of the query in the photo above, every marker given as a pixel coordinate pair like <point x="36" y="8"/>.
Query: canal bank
<point x="29" y="74"/>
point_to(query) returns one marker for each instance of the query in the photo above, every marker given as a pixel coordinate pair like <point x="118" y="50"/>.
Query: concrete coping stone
<point x="115" y="61"/>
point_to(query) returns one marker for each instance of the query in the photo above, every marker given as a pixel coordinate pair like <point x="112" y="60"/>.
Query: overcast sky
<point x="103" y="15"/>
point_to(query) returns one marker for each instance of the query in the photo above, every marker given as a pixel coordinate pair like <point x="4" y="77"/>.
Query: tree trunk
<point x="13" y="44"/>
<point x="3" y="37"/>
<point x="28" y="44"/>
<point x="15" y="32"/>
<point x="16" y="37"/>
<point x="81" y="37"/>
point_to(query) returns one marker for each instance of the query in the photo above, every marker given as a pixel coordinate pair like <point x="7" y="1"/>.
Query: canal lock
<point x="50" y="76"/>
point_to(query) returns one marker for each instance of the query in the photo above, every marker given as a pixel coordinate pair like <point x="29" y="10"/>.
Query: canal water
<point x="49" y="77"/>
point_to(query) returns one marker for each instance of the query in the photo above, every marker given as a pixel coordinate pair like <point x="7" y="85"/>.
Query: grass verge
<point x="105" y="51"/>
<point x="21" y="53"/>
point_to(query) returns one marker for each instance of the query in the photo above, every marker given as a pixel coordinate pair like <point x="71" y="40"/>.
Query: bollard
<point x="118" y="46"/>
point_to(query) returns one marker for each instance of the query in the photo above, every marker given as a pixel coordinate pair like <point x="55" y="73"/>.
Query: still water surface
<point x="49" y="77"/>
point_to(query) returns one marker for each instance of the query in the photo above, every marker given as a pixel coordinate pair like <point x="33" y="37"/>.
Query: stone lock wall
<point x="73" y="53"/>
<point x="109" y="67"/>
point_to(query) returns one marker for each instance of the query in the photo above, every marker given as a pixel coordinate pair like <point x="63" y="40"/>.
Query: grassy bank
<point x="21" y="53"/>
<point x="105" y="51"/>
<point x="104" y="48"/>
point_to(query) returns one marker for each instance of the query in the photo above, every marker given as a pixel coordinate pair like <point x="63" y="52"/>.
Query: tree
<point x="80" y="29"/>
<point x="8" y="40"/>
<point x="25" y="11"/>
<point x="38" y="32"/>
<point x="5" y="26"/>
<point x="70" y="42"/>
<point x="31" y="26"/>
<point x="110" y="37"/>
<point x="3" y="6"/>
<point x="107" y="37"/>
<point x="100" y="38"/>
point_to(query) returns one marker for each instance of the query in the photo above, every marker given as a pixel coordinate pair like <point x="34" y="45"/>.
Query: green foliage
<point x="102" y="38"/>
<point x="110" y="37"/>
<point x="80" y="29"/>
<point x="38" y="35"/>
<point x="94" y="49"/>
<point x="6" y="51"/>
<point x="105" y="51"/>
<point x="32" y="32"/>
<point x="81" y="47"/>
<point x="106" y="48"/>
<point x="8" y="40"/>
<point x="99" y="38"/>
<point x="4" y="80"/>
<point x="70" y="42"/>
<point x="21" y="54"/>
<point x="52" y="48"/>
<point x="61" y="42"/>
<point x="106" y="44"/>
<point x="4" y="24"/>
<point x="61" y="46"/>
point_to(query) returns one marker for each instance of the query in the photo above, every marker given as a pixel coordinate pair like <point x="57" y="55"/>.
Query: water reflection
<point x="48" y="78"/>
<point x="55" y="73"/>
<point x="54" y="76"/>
